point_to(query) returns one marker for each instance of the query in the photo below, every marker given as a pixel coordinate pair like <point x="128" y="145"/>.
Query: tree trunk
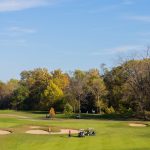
<point x="79" y="107"/>
<point x="99" y="107"/>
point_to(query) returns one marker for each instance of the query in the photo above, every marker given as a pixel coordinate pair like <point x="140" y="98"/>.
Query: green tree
<point x="6" y="93"/>
<point x="19" y="96"/>
<point x="36" y="81"/>
<point x="95" y="90"/>
<point x="137" y="86"/>
<point x="98" y="89"/>
<point x="114" y="81"/>
<point x="76" y="88"/>
<point x="68" y="110"/>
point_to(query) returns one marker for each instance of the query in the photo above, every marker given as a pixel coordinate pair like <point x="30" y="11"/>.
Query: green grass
<point x="111" y="135"/>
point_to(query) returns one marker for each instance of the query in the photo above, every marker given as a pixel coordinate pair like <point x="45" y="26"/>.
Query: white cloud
<point x="17" y="29"/>
<point x="15" y="36"/>
<point x="128" y="2"/>
<point x="120" y="49"/>
<point x="16" y="5"/>
<point x="144" y="33"/>
<point x="126" y="48"/>
<point x="112" y="7"/>
<point x="139" y="18"/>
<point x="13" y="42"/>
<point x="104" y="9"/>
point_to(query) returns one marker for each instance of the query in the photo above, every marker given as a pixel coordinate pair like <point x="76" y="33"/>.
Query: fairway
<point x="110" y="135"/>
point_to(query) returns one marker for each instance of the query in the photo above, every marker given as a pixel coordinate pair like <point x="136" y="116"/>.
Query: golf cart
<point x="81" y="133"/>
<point x="90" y="132"/>
<point x="78" y="116"/>
<point x="47" y="116"/>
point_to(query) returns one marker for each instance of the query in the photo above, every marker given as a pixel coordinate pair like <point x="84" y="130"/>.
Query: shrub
<point x="68" y="110"/>
<point x="110" y="110"/>
<point x="52" y="112"/>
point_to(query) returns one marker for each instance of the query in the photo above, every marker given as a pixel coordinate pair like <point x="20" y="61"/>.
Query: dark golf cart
<point x="81" y="133"/>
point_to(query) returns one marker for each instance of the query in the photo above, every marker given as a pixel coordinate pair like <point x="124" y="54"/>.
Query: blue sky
<point x="70" y="34"/>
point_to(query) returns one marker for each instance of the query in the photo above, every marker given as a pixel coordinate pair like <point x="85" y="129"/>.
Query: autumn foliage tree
<point x="121" y="89"/>
<point x="51" y="95"/>
<point x="52" y="112"/>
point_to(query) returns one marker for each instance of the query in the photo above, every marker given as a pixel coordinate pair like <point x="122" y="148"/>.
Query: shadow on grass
<point x="38" y="112"/>
<point x="114" y="116"/>
<point x="120" y="117"/>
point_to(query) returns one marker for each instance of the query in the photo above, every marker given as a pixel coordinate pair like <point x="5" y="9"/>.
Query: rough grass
<point x="111" y="135"/>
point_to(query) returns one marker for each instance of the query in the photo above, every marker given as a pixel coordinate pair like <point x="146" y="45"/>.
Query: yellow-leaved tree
<point x="52" y="113"/>
<point x="51" y="95"/>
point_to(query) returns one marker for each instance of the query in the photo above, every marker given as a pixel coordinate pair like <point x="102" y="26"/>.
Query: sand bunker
<point x="42" y="132"/>
<point x="137" y="125"/>
<point x="66" y="131"/>
<point x="4" y="132"/>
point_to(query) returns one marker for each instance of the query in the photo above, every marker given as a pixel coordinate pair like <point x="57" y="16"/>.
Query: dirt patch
<point x="42" y="132"/>
<point x="4" y="132"/>
<point x="138" y="125"/>
<point x="65" y="131"/>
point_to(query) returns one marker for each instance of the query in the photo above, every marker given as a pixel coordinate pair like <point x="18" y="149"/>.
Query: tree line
<point x="122" y="89"/>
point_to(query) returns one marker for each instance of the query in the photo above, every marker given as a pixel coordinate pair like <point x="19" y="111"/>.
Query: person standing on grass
<point x="69" y="133"/>
<point x="49" y="130"/>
